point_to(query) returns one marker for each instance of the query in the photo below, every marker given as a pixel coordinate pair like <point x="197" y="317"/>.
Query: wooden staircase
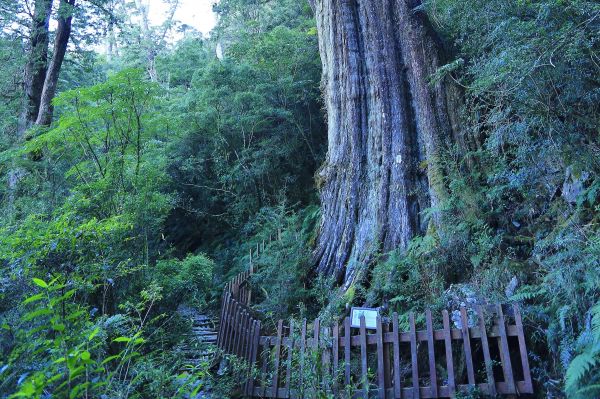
<point x="203" y="337"/>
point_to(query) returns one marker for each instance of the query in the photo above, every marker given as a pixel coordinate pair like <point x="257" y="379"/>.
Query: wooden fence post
<point x="396" y="343"/>
<point x="467" y="345"/>
<point x="414" y="359"/>
<point x="431" y="353"/>
<point x="363" y="356"/>
<point x="275" y="385"/>
<point x="486" y="353"/>
<point x="505" y="354"/>
<point x="523" y="349"/>
<point x="449" y="360"/>
<point x="380" y="366"/>
<point x="288" y="371"/>
<point x="335" y="354"/>
<point x="347" y="344"/>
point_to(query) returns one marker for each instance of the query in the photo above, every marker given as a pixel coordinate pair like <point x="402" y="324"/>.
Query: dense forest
<point x="396" y="154"/>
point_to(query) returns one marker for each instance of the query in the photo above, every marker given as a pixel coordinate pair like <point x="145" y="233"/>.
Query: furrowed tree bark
<point x="63" y="32"/>
<point x="387" y="127"/>
<point x="33" y="84"/>
<point x="37" y="63"/>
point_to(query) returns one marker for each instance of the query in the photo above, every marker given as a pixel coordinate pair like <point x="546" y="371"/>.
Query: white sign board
<point x="370" y="317"/>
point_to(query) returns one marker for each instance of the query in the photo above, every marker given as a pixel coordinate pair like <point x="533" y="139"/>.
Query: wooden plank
<point x="249" y="337"/>
<point x="380" y="366"/>
<point x="396" y="349"/>
<point x="523" y="350"/>
<point x="336" y="356"/>
<point x="242" y="332"/>
<point x="347" y="348"/>
<point x="326" y="360"/>
<point x="249" y="353"/>
<point x="236" y="331"/>
<point x="265" y="356"/>
<point x="486" y="353"/>
<point x="414" y="360"/>
<point x="467" y="345"/>
<point x="506" y="362"/>
<point x="288" y="371"/>
<point x="275" y="383"/>
<point x="387" y="368"/>
<point x="220" y="336"/>
<point x="223" y="326"/>
<point x="302" y="353"/>
<point x="431" y="353"/>
<point x="456" y="334"/>
<point x="449" y="360"/>
<point x="363" y="356"/>
<point x="231" y="323"/>
<point x="230" y="320"/>
<point x="254" y="352"/>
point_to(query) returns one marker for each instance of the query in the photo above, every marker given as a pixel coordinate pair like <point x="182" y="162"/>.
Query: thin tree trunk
<point x="386" y="126"/>
<point x="37" y="63"/>
<point x="144" y="8"/>
<point x="63" y="32"/>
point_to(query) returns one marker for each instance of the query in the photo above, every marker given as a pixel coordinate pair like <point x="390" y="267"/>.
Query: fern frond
<point x="596" y="321"/>
<point x="590" y="391"/>
<point x="528" y="292"/>
<point x="578" y="368"/>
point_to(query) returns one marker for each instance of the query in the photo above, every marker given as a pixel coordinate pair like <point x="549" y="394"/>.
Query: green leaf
<point x="122" y="339"/>
<point x="33" y="298"/>
<point x="40" y="282"/>
<point x="34" y="315"/>
<point x="110" y="358"/>
<point x="94" y="333"/>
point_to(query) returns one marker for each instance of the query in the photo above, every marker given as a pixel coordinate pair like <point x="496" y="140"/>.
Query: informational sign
<point x="370" y="317"/>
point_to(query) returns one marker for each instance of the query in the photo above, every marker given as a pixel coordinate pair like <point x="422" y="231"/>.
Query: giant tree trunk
<point x="37" y="60"/>
<point x="63" y="32"/>
<point x="386" y="128"/>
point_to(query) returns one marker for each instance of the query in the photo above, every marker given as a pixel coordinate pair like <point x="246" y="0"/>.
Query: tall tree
<point x="37" y="62"/>
<point x="61" y="40"/>
<point x="386" y="128"/>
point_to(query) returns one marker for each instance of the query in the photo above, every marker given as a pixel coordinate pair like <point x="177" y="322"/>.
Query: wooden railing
<point x="487" y="353"/>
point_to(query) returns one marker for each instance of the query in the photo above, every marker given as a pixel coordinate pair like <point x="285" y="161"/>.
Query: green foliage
<point x="582" y="379"/>
<point x="281" y="282"/>
<point x="189" y="278"/>
<point x="138" y="177"/>
<point x="63" y="350"/>
<point x="99" y="330"/>
<point x="523" y="206"/>
<point x="252" y="126"/>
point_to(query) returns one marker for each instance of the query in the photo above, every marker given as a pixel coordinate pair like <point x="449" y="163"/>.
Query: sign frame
<point x="370" y="314"/>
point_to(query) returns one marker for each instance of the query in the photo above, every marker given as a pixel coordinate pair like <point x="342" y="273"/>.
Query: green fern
<point x="578" y="368"/>
<point x="582" y="377"/>
<point x="528" y="292"/>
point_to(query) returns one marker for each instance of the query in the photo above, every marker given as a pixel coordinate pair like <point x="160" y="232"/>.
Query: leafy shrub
<point x="188" y="279"/>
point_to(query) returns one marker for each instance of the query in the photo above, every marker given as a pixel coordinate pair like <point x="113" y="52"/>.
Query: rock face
<point x="386" y="128"/>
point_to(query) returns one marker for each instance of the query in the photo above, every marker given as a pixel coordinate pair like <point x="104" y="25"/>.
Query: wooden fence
<point x="486" y="353"/>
